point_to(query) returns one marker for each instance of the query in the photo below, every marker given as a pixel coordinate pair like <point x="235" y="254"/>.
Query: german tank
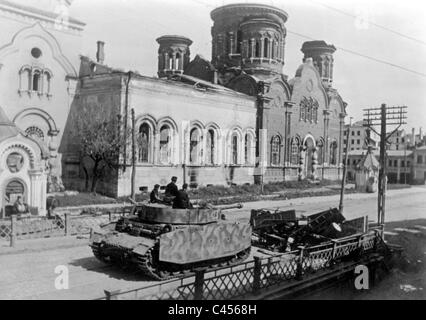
<point x="164" y="242"/>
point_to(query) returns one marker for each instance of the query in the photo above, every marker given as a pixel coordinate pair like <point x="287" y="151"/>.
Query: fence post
<point x="12" y="230"/>
<point x="111" y="295"/>
<point x="299" y="270"/>
<point x="333" y="255"/>
<point x="67" y="223"/>
<point x="199" y="284"/>
<point x="257" y="271"/>
<point x="109" y="216"/>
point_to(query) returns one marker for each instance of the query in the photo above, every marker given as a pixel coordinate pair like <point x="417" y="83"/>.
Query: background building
<point x="22" y="169"/>
<point x="39" y="73"/>
<point x="359" y="137"/>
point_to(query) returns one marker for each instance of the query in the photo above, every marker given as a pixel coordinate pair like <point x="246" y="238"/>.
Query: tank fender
<point x="141" y="249"/>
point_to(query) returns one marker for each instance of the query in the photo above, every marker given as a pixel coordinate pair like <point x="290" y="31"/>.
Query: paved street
<point x="32" y="276"/>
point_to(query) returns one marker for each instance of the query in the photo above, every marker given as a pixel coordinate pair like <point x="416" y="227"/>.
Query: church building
<point x="234" y="119"/>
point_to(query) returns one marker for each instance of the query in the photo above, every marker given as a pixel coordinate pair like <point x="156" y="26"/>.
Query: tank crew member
<point x="181" y="201"/>
<point x="171" y="191"/>
<point x="153" y="197"/>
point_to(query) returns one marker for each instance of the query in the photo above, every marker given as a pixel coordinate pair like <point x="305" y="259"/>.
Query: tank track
<point x="148" y="267"/>
<point x="97" y="253"/>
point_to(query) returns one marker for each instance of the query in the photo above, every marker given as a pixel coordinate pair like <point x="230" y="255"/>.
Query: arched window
<point x="35" y="132"/>
<point x="14" y="189"/>
<point x="178" y="62"/>
<point x="195" y="152"/>
<point x="320" y="151"/>
<point x="234" y="149"/>
<point x="326" y="69"/>
<point x="47" y="78"/>
<point x="170" y="64"/>
<point x="333" y="153"/>
<point x="36" y="81"/>
<point x="302" y="112"/>
<point x="275" y="151"/>
<point x="294" y="151"/>
<point x="239" y="41"/>
<point x="25" y="79"/>
<point x="315" y="113"/>
<point x="248" y="147"/>
<point x="265" y="47"/>
<point x="165" y="144"/>
<point x="144" y="142"/>
<point x="210" y="147"/>
<point x="257" y="49"/>
<point x="309" y="113"/>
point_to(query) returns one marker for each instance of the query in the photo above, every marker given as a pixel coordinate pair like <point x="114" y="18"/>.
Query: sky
<point x="130" y="27"/>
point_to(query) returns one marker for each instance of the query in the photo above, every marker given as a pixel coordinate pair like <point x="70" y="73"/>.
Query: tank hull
<point x="199" y="243"/>
<point x="163" y="248"/>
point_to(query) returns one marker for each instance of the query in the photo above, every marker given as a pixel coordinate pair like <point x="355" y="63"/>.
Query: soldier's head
<point x="184" y="186"/>
<point x="174" y="179"/>
<point x="156" y="186"/>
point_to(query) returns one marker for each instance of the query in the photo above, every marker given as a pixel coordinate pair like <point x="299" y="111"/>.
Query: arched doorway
<point x="12" y="190"/>
<point x="309" y="147"/>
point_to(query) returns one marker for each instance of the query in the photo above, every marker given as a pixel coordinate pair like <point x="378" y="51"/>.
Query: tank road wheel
<point x="97" y="252"/>
<point x="147" y="266"/>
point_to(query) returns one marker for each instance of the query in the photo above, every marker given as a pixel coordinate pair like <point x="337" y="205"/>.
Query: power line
<point x="310" y="38"/>
<point x="370" y="22"/>
<point x="341" y="48"/>
<point x="364" y="55"/>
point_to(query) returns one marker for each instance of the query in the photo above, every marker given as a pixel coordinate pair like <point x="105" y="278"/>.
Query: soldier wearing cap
<point x="171" y="191"/>
<point x="153" y="197"/>
<point x="181" y="201"/>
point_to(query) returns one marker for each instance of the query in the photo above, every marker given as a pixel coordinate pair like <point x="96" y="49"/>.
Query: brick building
<point x="233" y="119"/>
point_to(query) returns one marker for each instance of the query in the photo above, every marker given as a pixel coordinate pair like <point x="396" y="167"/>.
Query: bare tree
<point x="100" y="137"/>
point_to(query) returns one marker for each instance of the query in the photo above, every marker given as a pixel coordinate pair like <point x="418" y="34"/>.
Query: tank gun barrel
<point x="231" y="206"/>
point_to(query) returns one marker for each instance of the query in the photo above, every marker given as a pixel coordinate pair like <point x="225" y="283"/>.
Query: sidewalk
<point x="43" y="244"/>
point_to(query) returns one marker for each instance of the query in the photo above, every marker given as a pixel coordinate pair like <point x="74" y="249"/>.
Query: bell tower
<point x="173" y="55"/>
<point x="322" y="57"/>
<point x="250" y="37"/>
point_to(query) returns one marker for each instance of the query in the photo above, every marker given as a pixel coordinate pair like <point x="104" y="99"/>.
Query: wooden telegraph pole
<point x="383" y="117"/>
<point x="133" y="182"/>
<point x="345" y="165"/>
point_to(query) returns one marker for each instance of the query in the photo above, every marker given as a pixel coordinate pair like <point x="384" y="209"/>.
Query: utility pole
<point x="405" y="162"/>
<point x="345" y="165"/>
<point x="133" y="156"/>
<point x="384" y="116"/>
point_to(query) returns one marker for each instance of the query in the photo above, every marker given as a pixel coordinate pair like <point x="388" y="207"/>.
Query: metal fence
<point x="256" y="275"/>
<point x="19" y="228"/>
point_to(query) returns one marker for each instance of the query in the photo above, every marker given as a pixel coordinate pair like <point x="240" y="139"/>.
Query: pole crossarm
<point x="383" y="117"/>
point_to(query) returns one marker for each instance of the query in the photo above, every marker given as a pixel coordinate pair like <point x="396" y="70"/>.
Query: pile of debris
<point x="283" y="231"/>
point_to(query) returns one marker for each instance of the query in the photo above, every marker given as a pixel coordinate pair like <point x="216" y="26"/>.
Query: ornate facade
<point x="233" y="119"/>
<point x="299" y="121"/>
<point x="38" y="71"/>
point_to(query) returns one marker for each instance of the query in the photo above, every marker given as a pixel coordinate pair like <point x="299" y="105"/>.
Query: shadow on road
<point x="124" y="272"/>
